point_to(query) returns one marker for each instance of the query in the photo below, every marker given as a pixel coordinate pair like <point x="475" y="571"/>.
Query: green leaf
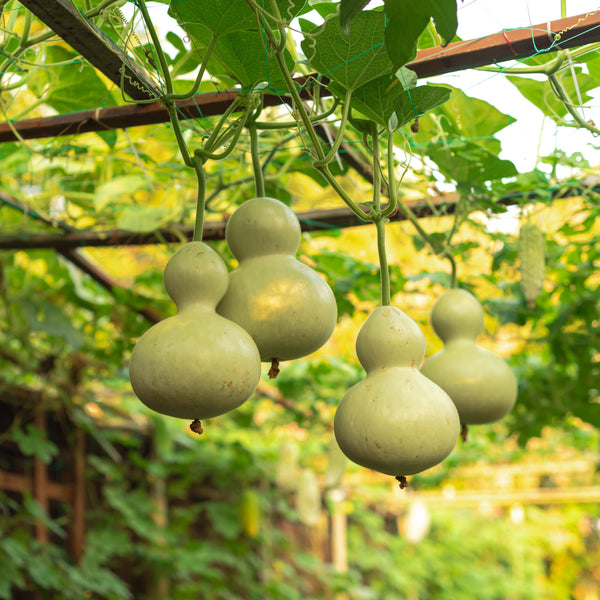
<point x="469" y="163"/>
<point x="289" y="9"/>
<point x="407" y="19"/>
<point x="379" y="100"/>
<point x="354" y="60"/>
<point x="50" y="319"/>
<point x="540" y="93"/>
<point x="116" y="190"/>
<point x="39" y="514"/>
<point x="375" y="100"/>
<point x="241" y="56"/>
<point x="219" y="16"/>
<point x="71" y="85"/>
<point x="416" y="102"/>
<point x="407" y="78"/>
<point x="142" y="218"/>
<point x="349" y="9"/>
<point x="32" y="441"/>
<point x="462" y="117"/>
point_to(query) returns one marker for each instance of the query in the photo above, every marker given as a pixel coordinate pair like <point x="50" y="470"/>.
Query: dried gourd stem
<point x="464" y="432"/>
<point x="196" y="427"/>
<point x="402" y="481"/>
<point x="274" y="370"/>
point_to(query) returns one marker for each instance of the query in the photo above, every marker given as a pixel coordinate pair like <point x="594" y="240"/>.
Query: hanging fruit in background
<point x="288" y="468"/>
<point x="195" y="364"/>
<point x="481" y="384"/>
<point x="336" y="464"/>
<point x="308" y="498"/>
<point x="249" y="513"/>
<point x="532" y="264"/>
<point x="395" y="420"/>
<point x="287" y="308"/>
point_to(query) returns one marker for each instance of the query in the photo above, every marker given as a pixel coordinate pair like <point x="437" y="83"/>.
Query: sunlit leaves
<point x="407" y="19"/>
<point x="241" y="49"/>
<point x="66" y="84"/>
<point x="219" y="16"/>
<point x="354" y="60"/>
<point x="544" y="98"/>
<point x="405" y="22"/>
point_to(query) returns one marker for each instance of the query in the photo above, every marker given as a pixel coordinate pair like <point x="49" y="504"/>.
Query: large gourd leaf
<point x="354" y="60"/>
<point x="540" y="93"/>
<point x="407" y="19"/>
<point x="220" y="16"/>
<point x="470" y="164"/>
<point x="65" y="86"/>
<point x="240" y="55"/>
<point x="411" y="104"/>
<point x="378" y="100"/>
<point x="140" y="218"/>
<point x="226" y="16"/>
<point x="239" y="50"/>
<point x="463" y="117"/>
<point x="405" y="22"/>
<point x="349" y="9"/>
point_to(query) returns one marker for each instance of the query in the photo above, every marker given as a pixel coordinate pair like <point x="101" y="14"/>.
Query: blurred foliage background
<point x="261" y="506"/>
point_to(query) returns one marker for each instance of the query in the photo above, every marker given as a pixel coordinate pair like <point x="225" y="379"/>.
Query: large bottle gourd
<point x="288" y="309"/>
<point x="195" y="364"/>
<point x="395" y="421"/>
<point x="481" y="384"/>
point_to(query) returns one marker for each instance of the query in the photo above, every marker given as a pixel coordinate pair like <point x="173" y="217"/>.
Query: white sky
<point x="477" y="18"/>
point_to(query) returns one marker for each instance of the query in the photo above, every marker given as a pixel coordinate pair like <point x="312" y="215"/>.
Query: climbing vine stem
<point x="198" y="164"/>
<point x="386" y="297"/>
<point x="257" y="168"/>
<point x="379" y="220"/>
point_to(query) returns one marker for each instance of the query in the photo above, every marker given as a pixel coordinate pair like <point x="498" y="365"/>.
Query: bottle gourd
<point x="288" y="309"/>
<point x="395" y="421"/>
<point x="195" y="364"/>
<point x="481" y="384"/>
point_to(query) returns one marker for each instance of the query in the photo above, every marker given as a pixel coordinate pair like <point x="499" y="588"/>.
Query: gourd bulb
<point x="481" y="384"/>
<point x="195" y="364"/>
<point x="457" y="314"/>
<point x="395" y="421"/>
<point x="287" y="308"/>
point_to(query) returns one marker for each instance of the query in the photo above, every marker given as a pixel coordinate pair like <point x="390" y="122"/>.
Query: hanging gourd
<point x="481" y="384"/>
<point x="532" y="263"/>
<point x="287" y="308"/>
<point x="195" y="364"/>
<point x="395" y="421"/>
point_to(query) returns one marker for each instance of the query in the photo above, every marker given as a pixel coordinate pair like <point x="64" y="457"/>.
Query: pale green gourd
<point x="287" y="308"/>
<point x="481" y="384"/>
<point x="195" y="364"/>
<point x="395" y="420"/>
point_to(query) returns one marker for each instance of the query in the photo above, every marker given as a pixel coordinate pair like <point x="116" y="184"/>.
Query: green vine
<point x="257" y="168"/>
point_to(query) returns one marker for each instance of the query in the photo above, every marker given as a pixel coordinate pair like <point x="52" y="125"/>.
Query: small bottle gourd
<point x="481" y="384"/>
<point x="395" y="421"/>
<point x="532" y="263"/>
<point x="288" y="309"/>
<point x="195" y="364"/>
